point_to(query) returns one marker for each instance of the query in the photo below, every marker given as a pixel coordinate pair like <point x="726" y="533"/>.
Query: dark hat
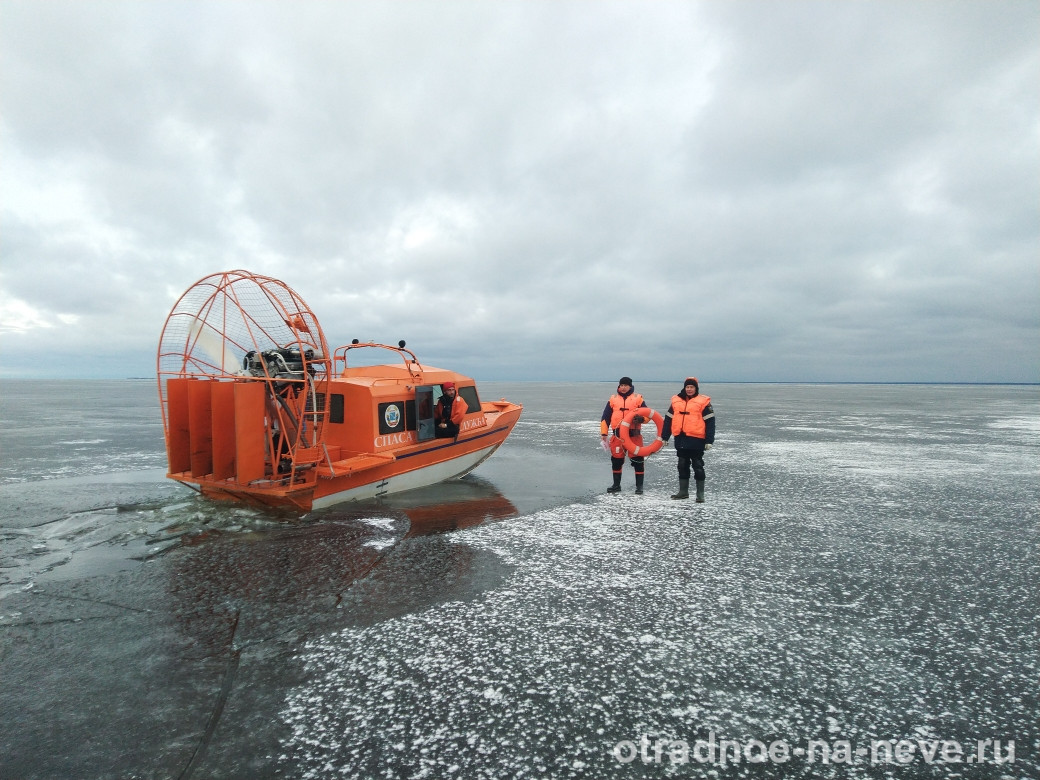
<point x="625" y="380"/>
<point x="691" y="380"/>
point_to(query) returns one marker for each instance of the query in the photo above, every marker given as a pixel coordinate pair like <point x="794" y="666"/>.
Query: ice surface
<point x="865" y="567"/>
<point x="866" y="571"/>
<point x="640" y="615"/>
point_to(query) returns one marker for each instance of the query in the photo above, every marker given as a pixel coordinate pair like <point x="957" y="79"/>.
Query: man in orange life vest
<point x="692" y="420"/>
<point x="448" y="414"/>
<point x="620" y="404"/>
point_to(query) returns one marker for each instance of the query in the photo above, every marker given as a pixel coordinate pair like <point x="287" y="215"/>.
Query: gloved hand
<point x="707" y="447"/>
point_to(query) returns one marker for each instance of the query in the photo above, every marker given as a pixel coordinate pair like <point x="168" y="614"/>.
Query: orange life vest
<point x="622" y="406"/>
<point x="458" y="410"/>
<point x="688" y="415"/>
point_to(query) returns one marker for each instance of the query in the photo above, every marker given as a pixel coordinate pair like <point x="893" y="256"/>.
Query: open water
<point x="858" y="597"/>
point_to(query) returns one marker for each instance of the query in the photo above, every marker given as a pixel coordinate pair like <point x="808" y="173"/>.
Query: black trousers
<point x="637" y="461"/>
<point x="617" y="464"/>
<point x="689" y="458"/>
<point x="449" y="432"/>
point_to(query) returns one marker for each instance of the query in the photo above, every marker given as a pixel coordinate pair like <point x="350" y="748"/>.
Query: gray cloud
<point x="741" y="190"/>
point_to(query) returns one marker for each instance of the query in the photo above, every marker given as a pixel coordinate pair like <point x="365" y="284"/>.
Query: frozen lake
<point x="858" y="597"/>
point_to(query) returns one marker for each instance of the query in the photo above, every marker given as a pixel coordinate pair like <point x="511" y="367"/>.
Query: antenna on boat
<point x="401" y="343"/>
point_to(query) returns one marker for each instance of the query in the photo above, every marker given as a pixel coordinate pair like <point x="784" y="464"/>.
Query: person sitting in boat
<point x="449" y="412"/>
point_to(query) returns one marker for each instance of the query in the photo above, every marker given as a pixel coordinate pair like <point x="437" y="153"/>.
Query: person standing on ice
<point x="449" y="412"/>
<point x="621" y="403"/>
<point x="692" y="420"/>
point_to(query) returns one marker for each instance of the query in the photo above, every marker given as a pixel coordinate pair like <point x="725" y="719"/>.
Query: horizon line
<point x="608" y="381"/>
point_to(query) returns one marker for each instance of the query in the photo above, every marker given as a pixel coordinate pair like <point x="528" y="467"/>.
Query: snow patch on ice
<point x="1028" y="425"/>
<point x="383" y="523"/>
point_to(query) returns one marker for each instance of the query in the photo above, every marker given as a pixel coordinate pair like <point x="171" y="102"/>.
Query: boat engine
<point x="286" y="363"/>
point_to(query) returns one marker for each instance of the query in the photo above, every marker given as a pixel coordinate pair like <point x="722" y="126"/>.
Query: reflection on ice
<point x="357" y="564"/>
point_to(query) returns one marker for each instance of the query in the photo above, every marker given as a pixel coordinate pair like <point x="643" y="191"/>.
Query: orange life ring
<point x="633" y="449"/>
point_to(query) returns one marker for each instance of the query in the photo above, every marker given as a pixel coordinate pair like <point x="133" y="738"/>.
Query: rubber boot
<point x="639" y="484"/>
<point x="684" y="489"/>
<point x="616" y="487"/>
<point x="700" y="491"/>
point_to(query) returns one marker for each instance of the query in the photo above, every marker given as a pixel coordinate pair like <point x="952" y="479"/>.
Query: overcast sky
<point x="774" y="190"/>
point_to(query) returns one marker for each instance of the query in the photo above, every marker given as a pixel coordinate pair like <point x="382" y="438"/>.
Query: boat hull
<point x="420" y="477"/>
<point x="409" y="469"/>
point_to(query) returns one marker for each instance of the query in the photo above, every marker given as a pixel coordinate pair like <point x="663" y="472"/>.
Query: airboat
<point x="256" y="409"/>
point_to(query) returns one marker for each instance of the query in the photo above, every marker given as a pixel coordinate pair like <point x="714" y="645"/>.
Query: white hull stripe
<point x="410" y="480"/>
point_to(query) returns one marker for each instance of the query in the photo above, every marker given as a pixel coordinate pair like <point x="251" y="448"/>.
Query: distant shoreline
<point x="945" y="383"/>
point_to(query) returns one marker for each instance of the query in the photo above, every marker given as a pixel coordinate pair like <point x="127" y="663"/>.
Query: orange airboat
<point x="257" y="410"/>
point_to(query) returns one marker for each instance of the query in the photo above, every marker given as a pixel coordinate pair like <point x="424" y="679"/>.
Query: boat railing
<point x="411" y="362"/>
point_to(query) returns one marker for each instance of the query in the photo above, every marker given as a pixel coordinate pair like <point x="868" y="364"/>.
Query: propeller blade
<point x="215" y="347"/>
